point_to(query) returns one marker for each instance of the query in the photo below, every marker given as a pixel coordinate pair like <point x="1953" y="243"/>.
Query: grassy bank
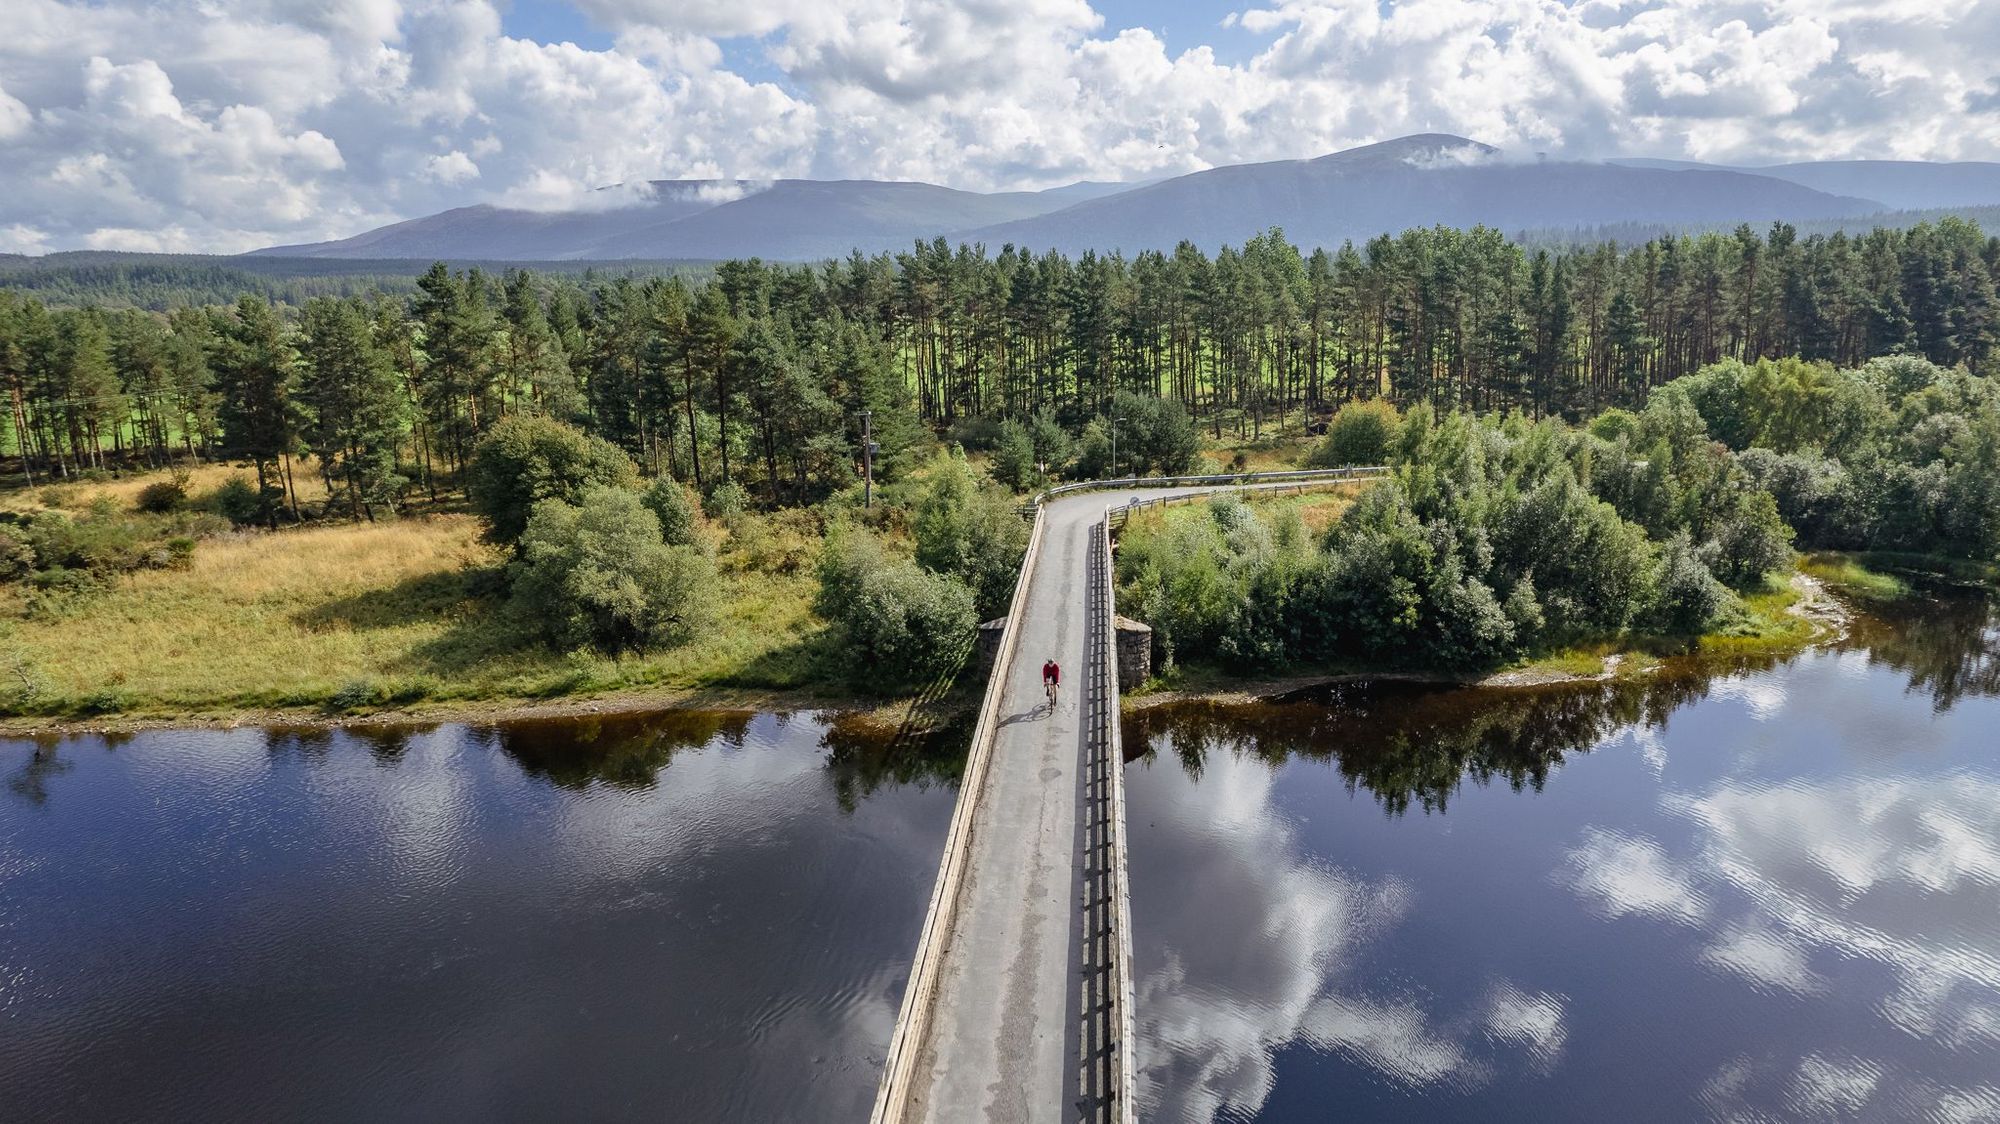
<point x="349" y="617"/>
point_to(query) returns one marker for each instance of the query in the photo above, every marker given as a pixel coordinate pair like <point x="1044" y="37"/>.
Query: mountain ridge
<point x="1351" y="195"/>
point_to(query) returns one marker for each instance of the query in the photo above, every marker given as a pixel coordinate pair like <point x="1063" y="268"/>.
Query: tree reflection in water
<point x="1947" y="641"/>
<point x="1413" y="743"/>
<point x="628" y="750"/>
<point x="622" y="750"/>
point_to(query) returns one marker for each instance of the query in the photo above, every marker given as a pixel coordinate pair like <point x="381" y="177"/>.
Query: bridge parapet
<point x="903" y="1064"/>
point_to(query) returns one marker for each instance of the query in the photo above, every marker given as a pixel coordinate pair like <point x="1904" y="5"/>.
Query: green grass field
<point x="354" y="616"/>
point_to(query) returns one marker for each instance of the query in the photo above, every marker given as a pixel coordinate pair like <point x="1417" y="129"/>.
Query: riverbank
<point x="1799" y="614"/>
<point x="404" y="619"/>
<point x="906" y="715"/>
<point x="397" y="623"/>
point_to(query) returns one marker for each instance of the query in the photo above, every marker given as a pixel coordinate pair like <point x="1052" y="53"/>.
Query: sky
<point x="216" y="126"/>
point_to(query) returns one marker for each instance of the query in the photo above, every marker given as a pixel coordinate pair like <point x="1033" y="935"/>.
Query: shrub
<point x="905" y="623"/>
<point x="54" y="593"/>
<point x="161" y="497"/>
<point x="781" y="542"/>
<point x="1613" y="424"/>
<point x="971" y="533"/>
<point x="1589" y="566"/>
<point x="977" y="433"/>
<point x="527" y="459"/>
<point x="356" y="694"/>
<point x="236" y="500"/>
<point x="1361" y="433"/>
<point x="1750" y="542"/>
<point x="725" y="501"/>
<point x="598" y="573"/>
<point x="17" y="553"/>
<point x="670" y="503"/>
<point x="1014" y="457"/>
<point x="1688" y="599"/>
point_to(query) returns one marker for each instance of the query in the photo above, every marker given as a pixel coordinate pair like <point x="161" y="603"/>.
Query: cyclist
<point x="1051" y="680"/>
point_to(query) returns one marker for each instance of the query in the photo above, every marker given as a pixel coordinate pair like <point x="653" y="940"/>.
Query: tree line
<point x="756" y="374"/>
<point x="1499" y="536"/>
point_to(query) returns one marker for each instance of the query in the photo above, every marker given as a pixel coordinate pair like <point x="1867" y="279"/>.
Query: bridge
<point x="1019" y="1002"/>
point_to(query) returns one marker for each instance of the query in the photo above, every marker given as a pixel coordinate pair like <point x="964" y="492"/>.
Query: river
<point x="1754" y="892"/>
<point x="689" y="916"/>
<point x="1761" y="891"/>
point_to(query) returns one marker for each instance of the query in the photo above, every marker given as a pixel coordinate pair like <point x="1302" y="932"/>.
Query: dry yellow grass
<point x="124" y="491"/>
<point x="363" y="614"/>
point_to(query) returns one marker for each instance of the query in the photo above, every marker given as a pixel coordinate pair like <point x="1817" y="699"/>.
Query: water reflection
<point x="1947" y="642"/>
<point x="1416" y="743"/>
<point x="31" y="781"/>
<point x="690" y="916"/>
<point x="1756" y="892"/>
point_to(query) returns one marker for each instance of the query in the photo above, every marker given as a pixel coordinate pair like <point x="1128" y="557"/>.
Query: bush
<point x="599" y="573"/>
<point x="970" y="533"/>
<point x="161" y="497"/>
<point x="17" y="553"/>
<point x="1154" y="435"/>
<point x="673" y="506"/>
<point x="781" y="542"/>
<point x="1750" y="542"/>
<point x="977" y="433"/>
<point x="1613" y="424"/>
<point x="1362" y="433"/>
<point x="356" y="694"/>
<point x="527" y="459"/>
<point x="726" y="500"/>
<point x="236" y="500"/>
<point x="905" y="623"/>
<point x="1014" y="457"/>
<point x="1688" y="599"/>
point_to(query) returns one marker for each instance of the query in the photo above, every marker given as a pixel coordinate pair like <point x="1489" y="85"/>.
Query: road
<point x="1006" y="1031"/>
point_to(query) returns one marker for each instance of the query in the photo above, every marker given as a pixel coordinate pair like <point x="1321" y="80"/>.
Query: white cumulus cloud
<point x="285" y="120"/>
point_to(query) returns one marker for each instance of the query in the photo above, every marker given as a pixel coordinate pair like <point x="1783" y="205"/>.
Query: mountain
<point x="1426" y="180"/>
<point x="1901" y="185"/>
<point x="788" y="220"/>
<point x="1416" y="181"/>
<point x="809" y="219"/>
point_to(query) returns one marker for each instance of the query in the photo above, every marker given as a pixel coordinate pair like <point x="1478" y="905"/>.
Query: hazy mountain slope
<point x="498" y="233"/>
<point x="808" y="219"/>
<point x="1900" y="185"/>
<point x="1903" y="185"/>
<point x="1427" y="180"/>
<point x="788" y="220"/>
<point x="1418" y="181"/>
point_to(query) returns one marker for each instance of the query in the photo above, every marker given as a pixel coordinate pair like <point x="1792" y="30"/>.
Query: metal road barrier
<point x="1108" y="919"/>
<point x="1217" y="482"/>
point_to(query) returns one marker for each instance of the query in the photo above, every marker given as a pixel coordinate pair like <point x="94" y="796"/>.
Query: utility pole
<point x="867" y="461"/>
<point x="1114" y="447"/>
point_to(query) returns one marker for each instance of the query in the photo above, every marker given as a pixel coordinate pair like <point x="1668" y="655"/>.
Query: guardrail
<point x="1222" y="480"/>
<point x="913" y="1019"/>
<point x="1124" y="1068"/>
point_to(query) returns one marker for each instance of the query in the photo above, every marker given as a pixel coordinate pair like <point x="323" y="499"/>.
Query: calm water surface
<point x="691" y="917"/>
<point x="1763" y="893"/>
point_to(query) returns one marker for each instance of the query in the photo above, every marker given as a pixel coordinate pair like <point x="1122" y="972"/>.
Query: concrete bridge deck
<point x="1015" y="1007"/>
